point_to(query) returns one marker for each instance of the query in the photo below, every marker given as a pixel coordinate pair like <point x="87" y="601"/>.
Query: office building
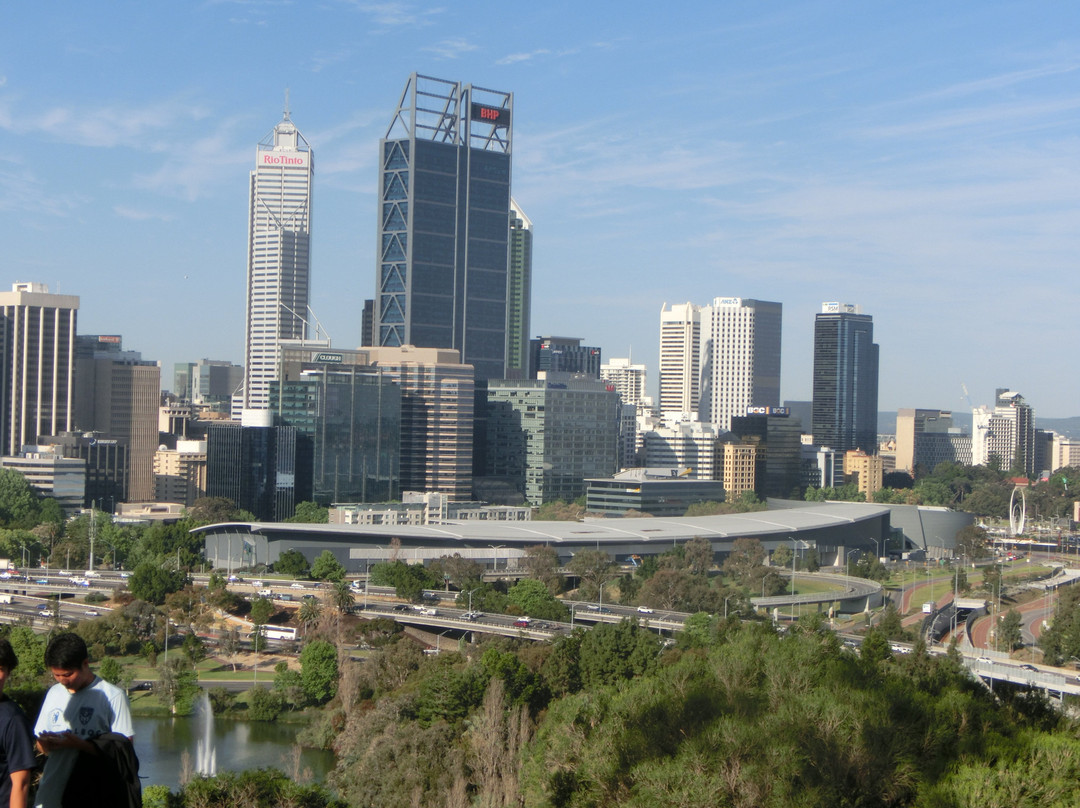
<point x="821" y="467"/>
<point x="865" y="471"/>
<point x="680" y="358"/>
<point x="549" y="435"/>
<point x="351" y="416"/>
<point x="925" y="438"/>
<point x="118" y="395"/>
<point x="208" y="383"/>
<point x="563" y="355"/>
<point x="777" y="437"/>
<point x="519" y="291"/>
<point x="1064" y="453"/>
<point x="52" y="475"/>
<point x="37" y="364"/>
<point x="652" y="491"/>
<point x="679" y="442"/>
<point x="1005" y="435"/>
<point x="740" y="358"/>
<point x="279" y="255"/>
<point x="105" y="462"/>
<point x="737" y="464"/>
<point x="845" y="384"/>
<point x="257" y="465"/>
<point x="629" y="379"/>
<point x="180" y="473"/>
<point x="444" y="223"/>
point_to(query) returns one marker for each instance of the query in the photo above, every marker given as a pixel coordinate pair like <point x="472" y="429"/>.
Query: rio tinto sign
<point x="276" y="159"/>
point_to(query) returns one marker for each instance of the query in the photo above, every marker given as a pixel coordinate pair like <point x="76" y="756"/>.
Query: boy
<point x="80" y="709"/>
<point x="16" y="742"/>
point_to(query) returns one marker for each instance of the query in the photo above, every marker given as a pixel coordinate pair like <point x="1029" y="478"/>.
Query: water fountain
<point x="205" y="752"/>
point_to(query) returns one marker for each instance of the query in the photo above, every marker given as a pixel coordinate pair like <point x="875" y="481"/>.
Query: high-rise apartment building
<point x="118" y="395"/>
<point x="519" y="291"/>
<point x="684" y="444"/>
<point x="680" y="358"/>
<point x="180" y="473"/>
<point x="37" y="364"/>
<point x="279" y="254"/>
<point x="845" y="379"/>
<point x="740" y="358"/>
<point x="629" y="379"/>
<point x="444" y="223"/>
<point x="1005" y="434"/>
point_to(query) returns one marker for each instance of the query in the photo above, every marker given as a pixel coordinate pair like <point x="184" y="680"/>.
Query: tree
<point x="262" y="609"/>
<point x="319" y="671"/>
<point x="310" y="513"/>
<point x="20" y="504"/>
<point x="292" y="562"/>
<point x="459" y="571"/>
<point x="541" y="562"/>
<point x="153" y="583"/>
<point x="110" y="670"/>
<point x="309" y="613"/>
<point x="531" y="597"/>
<point x="593" y="567"/>
<point x="707" y="508"/>
<point x="811" y="560"/>
<point x="1009" y="635"/>
<point x="971" y="541"/>
<point x="209" y="510"/>
<point x="342" y="597"/>
<point x="742" y="563"/>
<point x="265" y="705"/>
<point x="180" y="685"/>
<point x="782" y="556"/>
<point x="699" y="555"/>
<point x="326" y="567"/>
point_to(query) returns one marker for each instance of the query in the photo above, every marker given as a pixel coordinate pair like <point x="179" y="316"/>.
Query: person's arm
<point x="20" y="788"/>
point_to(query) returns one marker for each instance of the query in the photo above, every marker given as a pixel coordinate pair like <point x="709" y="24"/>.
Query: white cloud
<point x="450" y="48"/>
<point x="322" y="60"/>
<point x="125" y="212"/>
<point x="514" y="58"/>
<point x="396" y="14"/>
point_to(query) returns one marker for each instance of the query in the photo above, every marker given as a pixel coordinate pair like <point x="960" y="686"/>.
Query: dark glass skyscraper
<point x="444" y="208"/>
<point x="845" y="379"/>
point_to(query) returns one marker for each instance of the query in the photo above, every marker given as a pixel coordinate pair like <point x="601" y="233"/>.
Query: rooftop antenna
<point x="286" y="103"/>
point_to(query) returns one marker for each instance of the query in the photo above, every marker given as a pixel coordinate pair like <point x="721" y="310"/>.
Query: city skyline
<point x="918" y="160"/>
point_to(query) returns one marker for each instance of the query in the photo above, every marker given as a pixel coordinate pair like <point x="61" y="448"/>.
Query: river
<point x="161" y="742"/>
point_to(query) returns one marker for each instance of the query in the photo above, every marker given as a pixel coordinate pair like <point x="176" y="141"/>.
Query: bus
<point x="277" y="633"/>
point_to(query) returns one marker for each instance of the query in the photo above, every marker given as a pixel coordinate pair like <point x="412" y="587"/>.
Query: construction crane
<point x="963" y="387"/>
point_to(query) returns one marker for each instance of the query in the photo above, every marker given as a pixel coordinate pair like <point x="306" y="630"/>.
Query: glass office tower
<point x="845" y="379"/>
<point x="444" y="219"/>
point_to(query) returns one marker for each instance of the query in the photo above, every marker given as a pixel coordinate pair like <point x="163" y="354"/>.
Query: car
<point x="431" y="611"/>
<point x="402" y="607"/>
<point x="592" y="607"/>
<point x="645" y="609"/>
<point x="1029" y="668"/>
<point x="296" y="585"/>
<point x="125" y="575"/>
<point x="472" y="615"/>
<point x="92" y="613"/>
<point x="42" y="581"/>
<point x="266" y="593"/>
<point x="44" y="607"/>
<point x="257" y="584"/>
<point x="309" y="597"/>
<point x="142" y="686"/>
<point x="232" y="578"/>
<point x="523" y="622"/>
<point x="984" y="661"/>
<point x="5" y="575"/>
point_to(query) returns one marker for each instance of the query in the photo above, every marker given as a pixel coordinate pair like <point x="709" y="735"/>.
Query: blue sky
<point x="920" y="159"/>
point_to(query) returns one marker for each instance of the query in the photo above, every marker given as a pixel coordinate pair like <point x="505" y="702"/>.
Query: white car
<point x="644" y="610"/>
<point x="5" y="575"/>
<point x="92" y="613"/>
<point x="296" y="585"/>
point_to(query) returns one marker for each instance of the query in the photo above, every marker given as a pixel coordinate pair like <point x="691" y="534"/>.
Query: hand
<point x="48" y="741"/>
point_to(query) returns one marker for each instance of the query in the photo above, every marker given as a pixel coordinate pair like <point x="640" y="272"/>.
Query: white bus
<point x="277" y="633"/>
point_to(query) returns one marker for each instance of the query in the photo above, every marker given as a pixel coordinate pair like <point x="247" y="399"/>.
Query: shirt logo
<point x="85" y="714"/>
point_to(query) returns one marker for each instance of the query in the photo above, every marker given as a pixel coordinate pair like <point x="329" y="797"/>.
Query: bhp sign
<point x="297" y="160"/>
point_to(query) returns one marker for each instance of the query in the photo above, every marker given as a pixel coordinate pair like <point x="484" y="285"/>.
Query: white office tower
<point x="680" y="359"/>
<point x="740" y="358"/>
<point x="628" y="379"/>
<point x="279" y="255"/>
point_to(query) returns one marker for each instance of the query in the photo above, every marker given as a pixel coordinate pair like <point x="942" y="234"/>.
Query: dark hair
<point x="67" y="652"/>
<point x="8" y="660"/>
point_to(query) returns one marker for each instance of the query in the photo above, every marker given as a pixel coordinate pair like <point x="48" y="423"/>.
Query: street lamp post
<point x="725" y="606"/>
<point x="495" y="556"/>
<point x="794" y="548"/>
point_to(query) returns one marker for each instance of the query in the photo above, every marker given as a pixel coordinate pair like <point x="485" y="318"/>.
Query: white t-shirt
<point x="96" y="709"/>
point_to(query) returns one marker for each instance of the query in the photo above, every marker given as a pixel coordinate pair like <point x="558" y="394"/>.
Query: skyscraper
<point x="444" y="213"/>
<point x="519" y="288"/>
<point x="740" y="358"/>
<point x="680" y="358"/>
<point x="1005" y="434"/>
<point x="279" y="254"/>
<point x="37" y="349"/>
<point x="845" y="379"/>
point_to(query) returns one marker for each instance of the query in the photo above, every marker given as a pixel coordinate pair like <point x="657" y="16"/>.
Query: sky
<point x="918" y="159"/>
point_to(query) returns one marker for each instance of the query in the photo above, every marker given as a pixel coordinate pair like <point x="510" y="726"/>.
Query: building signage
<point x="276" y="159"/>
<point x="839" y="308"/>
<point x="109" y="339"/>
<point x="781" y="411"/>
<point x="493" y="115"/>
<point x="330" y="358"/>
<point x="729" y="301"/>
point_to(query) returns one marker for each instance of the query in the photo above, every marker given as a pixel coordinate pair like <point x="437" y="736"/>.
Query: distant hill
<point x="1070" y="427"/>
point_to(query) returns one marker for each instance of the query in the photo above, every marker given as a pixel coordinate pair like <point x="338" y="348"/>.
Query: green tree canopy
<point x="532" y="597"/>
<point x="326" y="567"/>
<point x="20" y="504"/>
<point x="292" y="562"/>
<point x="319" y="671"/>
<point x="310" y="513"/>
<point x="153" y="583"/>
